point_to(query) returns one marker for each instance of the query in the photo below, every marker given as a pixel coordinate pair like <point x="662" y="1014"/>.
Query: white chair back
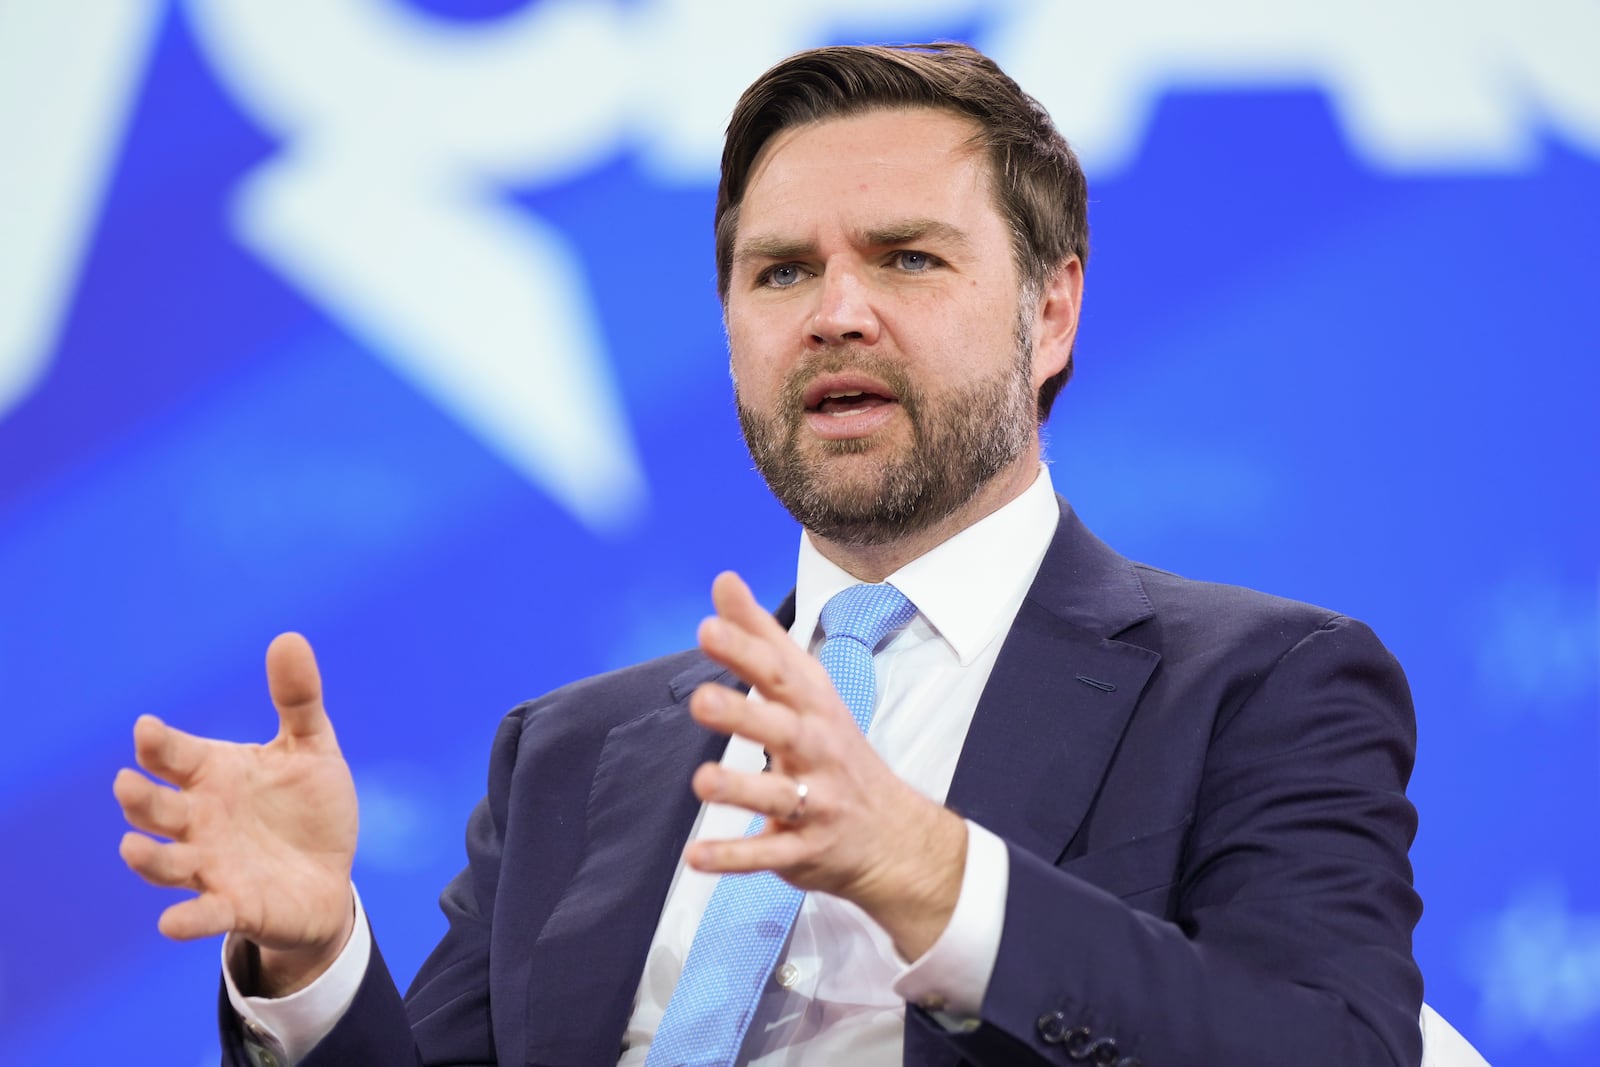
<point x="1443" y="1047"/>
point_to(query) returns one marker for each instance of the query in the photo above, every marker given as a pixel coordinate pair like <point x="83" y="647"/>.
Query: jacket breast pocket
<point x="1141" y="870"/>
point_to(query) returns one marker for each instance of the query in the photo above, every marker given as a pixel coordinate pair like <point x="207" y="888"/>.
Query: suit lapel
<point x="1054" y="710"/>
<point x="588" y="958"/>
<point x="1059" y="698"/>
<point x="1042" y="737"/>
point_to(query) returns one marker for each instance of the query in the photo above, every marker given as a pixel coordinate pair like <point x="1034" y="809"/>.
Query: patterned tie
<point x="748" y="919"/>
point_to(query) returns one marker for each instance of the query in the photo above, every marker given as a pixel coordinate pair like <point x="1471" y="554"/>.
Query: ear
<point x="1055" y="325"/>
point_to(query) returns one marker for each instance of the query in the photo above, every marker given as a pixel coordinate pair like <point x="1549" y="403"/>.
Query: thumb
<point x="296" y="688"/>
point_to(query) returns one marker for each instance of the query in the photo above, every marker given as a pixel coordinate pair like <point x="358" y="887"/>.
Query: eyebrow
<point x="911" y="231"/>
<point x="900" y="232"/>
<point x="770" y="248"/>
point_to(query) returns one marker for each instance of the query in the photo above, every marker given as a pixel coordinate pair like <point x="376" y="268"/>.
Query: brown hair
<point x="1039" y="186"/>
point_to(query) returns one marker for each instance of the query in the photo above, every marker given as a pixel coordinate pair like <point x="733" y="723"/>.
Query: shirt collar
<point x="966" y="588"/>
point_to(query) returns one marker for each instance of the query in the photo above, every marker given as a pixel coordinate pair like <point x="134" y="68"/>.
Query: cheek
<point x="961" y="347"/>
<point x="752" y="370"/>
<point x="756" y="353"/>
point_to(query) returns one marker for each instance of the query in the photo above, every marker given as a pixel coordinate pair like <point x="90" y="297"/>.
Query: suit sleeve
<point x="444" y="1017"/>
<point x="1288" y="937"/>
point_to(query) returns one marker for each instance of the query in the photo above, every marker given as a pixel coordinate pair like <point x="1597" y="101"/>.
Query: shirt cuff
<point x="288" y="1028"/>
<point x="950" y="979"/>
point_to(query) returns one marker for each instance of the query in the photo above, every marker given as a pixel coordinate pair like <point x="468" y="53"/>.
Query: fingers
<point x="761" y="660"/>
<point x="203" y="916"/>
<point x="296" y="688"/>
<point x="728" y="711"/>
<point x="173" y="864"/>
<point x="780" y="853"/>
<point x="150" y="807"/>
<point x="167" y="752"/>
<point x="176" y="865"/>
<point x="748" y="641"/>
<point x="777" y="796"/>
<point x="735" y="602"/>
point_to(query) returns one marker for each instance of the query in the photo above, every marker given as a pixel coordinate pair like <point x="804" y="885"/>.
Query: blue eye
<point x="916" y="262"/>
<point x="782" y="276"/>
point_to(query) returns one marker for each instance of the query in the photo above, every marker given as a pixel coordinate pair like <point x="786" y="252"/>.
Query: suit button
<point x="1052" y="1026"/>
<point x="1101" y="1052"/>
<point x="1078" y="1043"/>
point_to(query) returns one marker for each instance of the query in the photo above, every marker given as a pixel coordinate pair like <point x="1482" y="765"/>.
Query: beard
<point x="961" y="437"/>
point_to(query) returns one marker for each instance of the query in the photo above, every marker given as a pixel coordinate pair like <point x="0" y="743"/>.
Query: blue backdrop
<point x="394" y="322"/>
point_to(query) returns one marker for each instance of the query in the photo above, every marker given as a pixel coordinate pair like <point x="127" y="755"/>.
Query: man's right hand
<point x="265" y="834"/>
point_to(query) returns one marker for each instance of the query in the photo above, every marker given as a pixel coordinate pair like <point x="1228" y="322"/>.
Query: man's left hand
<point x="862" y="833"/>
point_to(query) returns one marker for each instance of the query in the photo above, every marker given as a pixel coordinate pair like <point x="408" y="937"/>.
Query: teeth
<point x="841" y="396"/>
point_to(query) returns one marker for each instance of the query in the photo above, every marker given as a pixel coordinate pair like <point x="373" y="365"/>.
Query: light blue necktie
<point x="748" y="919"/>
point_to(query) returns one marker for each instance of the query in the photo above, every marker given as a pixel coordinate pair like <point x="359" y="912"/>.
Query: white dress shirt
<point x="839" y="991"/>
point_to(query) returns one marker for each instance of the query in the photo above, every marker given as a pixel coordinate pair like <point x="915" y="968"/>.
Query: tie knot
<point x="866" y="613"/>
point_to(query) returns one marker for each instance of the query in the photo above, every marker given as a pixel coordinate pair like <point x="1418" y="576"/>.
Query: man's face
<point x="880" y="352"/>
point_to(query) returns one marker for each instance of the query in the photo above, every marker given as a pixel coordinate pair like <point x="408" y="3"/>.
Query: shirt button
<point x="788" y="975"/>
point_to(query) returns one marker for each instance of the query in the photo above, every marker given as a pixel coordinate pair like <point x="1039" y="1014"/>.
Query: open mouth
<point x="850" y="402"/>
<point x="839" y="397"/>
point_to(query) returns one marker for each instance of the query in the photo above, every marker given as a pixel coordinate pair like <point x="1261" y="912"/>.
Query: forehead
<point x="859" y="170"/>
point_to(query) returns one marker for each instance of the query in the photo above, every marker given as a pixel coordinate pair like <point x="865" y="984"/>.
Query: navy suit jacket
<point x="1201" y="789"/>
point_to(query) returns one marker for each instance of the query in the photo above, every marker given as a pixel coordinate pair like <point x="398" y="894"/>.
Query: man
<point x="1101" y="814"/>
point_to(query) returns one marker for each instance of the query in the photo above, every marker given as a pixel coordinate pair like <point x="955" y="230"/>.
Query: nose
<point x="844" y="311"/>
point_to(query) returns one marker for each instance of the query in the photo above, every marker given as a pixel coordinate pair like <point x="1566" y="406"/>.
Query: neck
<point x="874" y="563"/>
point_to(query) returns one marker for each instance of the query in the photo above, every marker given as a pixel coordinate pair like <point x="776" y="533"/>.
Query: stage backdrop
<point x="393" y="322"/>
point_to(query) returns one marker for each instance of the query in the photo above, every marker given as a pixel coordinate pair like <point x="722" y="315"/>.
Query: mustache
<point x="791" y="394"/>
